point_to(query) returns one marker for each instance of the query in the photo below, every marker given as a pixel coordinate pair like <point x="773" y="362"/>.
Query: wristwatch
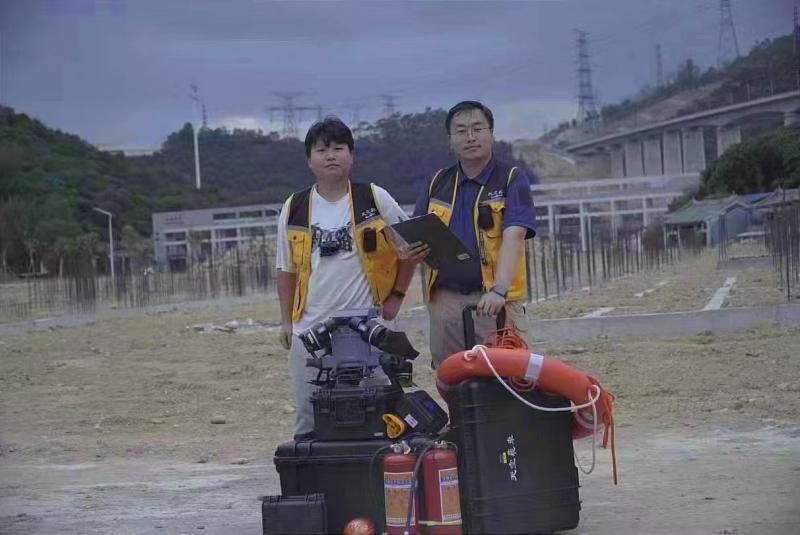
<point x="500" y="290"/>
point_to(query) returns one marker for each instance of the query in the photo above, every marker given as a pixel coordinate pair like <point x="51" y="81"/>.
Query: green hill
<point x="51" y="180"/>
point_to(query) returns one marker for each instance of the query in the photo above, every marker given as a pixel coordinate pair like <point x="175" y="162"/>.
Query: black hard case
<point x="541" y="494"/>
<point x="341" y="471"/>
<point x="353" y="413"/>
<point x="289" y="515"/>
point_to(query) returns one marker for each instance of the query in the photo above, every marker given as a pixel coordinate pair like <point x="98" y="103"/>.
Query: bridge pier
<point x="633" y="158"/>
<point x="614" y="219"/>
<point x="791" y="118"/>
<point x="673" y="160"/>
<point x="617" y="161"/>
<point x="583" y="226"/>
<point x="694" y="151"/>
<point x="652" y="156"/>
<point x="596" y="163"/>
<point x="727" y="135"/>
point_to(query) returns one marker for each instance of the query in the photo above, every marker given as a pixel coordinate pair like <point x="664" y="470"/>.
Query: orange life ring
<point x="549" y="375"/>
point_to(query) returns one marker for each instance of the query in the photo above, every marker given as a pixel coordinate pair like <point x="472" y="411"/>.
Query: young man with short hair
<point x="488" y="205"/>
<point x="333" y="253"/>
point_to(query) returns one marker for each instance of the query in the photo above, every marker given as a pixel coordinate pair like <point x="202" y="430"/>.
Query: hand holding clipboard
<point x="429" y="231"/>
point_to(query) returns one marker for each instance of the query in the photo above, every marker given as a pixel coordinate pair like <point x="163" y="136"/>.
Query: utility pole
<point x="587" y="111"/>
<point x="388" y="105"/>
<point x="355" y="118"/>
<point x="291" y="113"/>
<point x="318" y="109"/>
<point x="728" y="44"/>
<point x="110" y="241"/>
<point x="659" y="68"/>
<point x="797" y="48"/>
<point x="195" y="104"/>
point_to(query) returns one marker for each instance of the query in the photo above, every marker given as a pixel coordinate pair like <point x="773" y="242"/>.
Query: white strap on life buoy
<point x="535" y="363"/>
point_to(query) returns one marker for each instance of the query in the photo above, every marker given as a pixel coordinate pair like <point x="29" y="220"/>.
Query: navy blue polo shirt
<point x="519" y="212"/>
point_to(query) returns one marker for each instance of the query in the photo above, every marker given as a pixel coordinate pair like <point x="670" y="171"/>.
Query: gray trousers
<point x="447" y="327"/>
<point x="302" y="388"/>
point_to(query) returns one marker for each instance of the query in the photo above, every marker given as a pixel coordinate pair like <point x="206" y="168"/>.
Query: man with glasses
<point x="333" y="253"/>
<point x="488" y="205"/>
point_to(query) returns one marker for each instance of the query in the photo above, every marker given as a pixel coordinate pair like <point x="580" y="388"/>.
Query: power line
<point x="728" y="44"/>
<point x="657" y="23"/>
<point x="291" y="113"/>
<point x="355" y="117"/>
<point x="659" y="68"/>
<point x="797" y="47"/>
<point x="587" y="111"/>
<point x="388" y="105"/>
<point x="500" y="73"/>
<point x="195" y="103"/>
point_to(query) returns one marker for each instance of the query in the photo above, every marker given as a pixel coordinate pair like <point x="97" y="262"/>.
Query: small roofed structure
<point x="706" y="222"/>
<point x="777" y="199"/>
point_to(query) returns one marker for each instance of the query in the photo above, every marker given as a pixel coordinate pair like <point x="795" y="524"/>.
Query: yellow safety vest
<point x="378" y="257"/>
<point x="442" y="195"/>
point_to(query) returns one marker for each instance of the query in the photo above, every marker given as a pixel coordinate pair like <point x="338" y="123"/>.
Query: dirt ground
<point x="107" y="427"/>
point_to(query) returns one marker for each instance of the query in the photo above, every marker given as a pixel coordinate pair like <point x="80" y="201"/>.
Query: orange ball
<point x="359" y="526"/>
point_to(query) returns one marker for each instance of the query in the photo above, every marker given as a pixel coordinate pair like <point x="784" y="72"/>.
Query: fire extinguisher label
<point x="396" y="487"/>
<point x="448" y="492"/>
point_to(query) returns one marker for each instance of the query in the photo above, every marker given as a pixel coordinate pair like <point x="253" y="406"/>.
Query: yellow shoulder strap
<point x="433" y="180"/>
<point x="510" y="176"/>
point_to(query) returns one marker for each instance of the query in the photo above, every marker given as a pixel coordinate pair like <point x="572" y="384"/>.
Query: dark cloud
<point x="118" y="72"/>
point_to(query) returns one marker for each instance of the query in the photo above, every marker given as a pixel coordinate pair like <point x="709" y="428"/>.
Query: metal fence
<point x="237" y="273"/>
<point x="558" y="265"/>
<point x="782" y="238"/>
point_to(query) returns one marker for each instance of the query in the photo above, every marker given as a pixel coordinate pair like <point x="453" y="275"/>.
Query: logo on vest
<point x="496" y="194"/>
<point x="369" y="213"/>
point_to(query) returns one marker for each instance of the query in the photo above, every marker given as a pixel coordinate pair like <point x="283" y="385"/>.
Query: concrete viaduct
<point x="677" y="145"/>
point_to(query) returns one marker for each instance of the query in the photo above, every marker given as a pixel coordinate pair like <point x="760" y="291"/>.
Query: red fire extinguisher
<point x="442" y="498"/>
<point x="398" y="471"/>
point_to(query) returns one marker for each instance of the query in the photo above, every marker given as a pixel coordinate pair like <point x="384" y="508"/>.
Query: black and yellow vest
<point x="378" y="256"/>
<point x="442" y="195"/>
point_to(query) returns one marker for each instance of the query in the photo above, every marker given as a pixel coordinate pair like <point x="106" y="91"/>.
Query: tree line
<point x="50" y="181"/>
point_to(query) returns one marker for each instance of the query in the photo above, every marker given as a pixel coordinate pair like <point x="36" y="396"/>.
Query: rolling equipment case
<point x="341" y="471"/>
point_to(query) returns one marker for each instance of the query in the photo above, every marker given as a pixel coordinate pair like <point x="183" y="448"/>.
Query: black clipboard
<point x="446" y="247"/>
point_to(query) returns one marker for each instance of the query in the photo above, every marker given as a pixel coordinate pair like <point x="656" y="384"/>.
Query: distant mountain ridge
<point x="50" y="181"/>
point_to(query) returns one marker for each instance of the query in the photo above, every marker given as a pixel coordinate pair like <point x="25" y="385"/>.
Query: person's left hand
<point x="391" y="307"/>
<point x="490" y="304"/>
<point x="414" y="252"/>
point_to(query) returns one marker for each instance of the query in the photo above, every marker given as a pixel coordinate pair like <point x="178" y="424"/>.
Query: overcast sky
<point x="118" y="72"/>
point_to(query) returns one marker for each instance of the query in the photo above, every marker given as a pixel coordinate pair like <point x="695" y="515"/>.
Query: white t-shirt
<point x="337" y="280"/>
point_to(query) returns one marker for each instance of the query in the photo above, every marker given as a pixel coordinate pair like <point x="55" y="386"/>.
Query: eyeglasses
<point x="477" y="131"/>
